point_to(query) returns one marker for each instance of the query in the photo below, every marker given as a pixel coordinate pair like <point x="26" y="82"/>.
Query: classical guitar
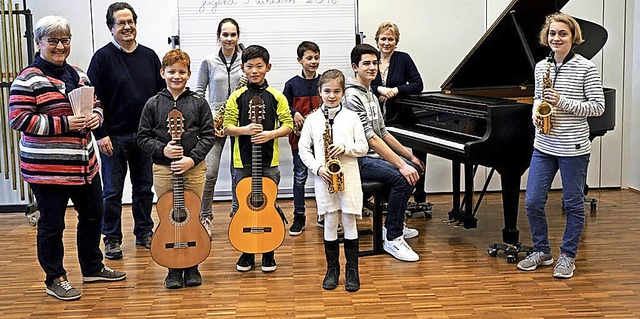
<point x="257" y="226"/>
<point x="180" y="240"/>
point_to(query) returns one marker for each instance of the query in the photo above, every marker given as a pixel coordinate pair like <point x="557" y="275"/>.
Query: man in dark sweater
<point x="125" y="75"/>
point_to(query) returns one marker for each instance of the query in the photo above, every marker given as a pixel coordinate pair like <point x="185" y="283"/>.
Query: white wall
<point x="438" y="34"/>
<point x="157" y="20"/>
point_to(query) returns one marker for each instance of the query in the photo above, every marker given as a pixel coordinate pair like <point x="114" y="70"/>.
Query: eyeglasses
<point x="54" y="41"/>
<point x="122" y="24"/>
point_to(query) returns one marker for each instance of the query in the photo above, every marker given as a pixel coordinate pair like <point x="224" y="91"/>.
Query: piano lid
<point x="507" y="53"/>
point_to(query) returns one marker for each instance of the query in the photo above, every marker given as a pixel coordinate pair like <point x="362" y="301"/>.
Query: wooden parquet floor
<point x="455" y="278"/>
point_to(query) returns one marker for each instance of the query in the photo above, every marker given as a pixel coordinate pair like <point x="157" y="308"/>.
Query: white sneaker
<point x="207" y="222"/>
<point x="399" y="249"/>
<point x="407" y="232"/>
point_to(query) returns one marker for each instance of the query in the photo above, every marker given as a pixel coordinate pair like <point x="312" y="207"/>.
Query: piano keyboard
<point x="428" y="138"/>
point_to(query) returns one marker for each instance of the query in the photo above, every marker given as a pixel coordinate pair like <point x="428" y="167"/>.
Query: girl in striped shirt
<point x="576" y="94"/>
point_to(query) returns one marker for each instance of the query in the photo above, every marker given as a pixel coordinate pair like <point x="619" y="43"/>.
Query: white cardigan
<point x="348" y="131"/>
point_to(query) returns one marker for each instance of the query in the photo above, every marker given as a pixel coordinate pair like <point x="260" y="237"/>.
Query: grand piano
<point x="482" y="116"/>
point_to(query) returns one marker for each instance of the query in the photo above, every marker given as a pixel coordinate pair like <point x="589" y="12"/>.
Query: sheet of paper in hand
<point x="82" y="101"/>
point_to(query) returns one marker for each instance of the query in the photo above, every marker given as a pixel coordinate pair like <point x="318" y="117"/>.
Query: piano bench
<point x="380" y="194"/>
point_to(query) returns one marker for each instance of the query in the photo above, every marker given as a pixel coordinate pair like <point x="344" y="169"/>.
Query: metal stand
<point x="12" y="62"/>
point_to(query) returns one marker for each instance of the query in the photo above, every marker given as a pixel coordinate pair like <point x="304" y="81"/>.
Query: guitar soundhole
<point x="256" y="201"/>
<point x="179" y="217"/>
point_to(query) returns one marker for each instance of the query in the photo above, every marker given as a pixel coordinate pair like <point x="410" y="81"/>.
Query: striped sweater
<point x="580" y="88"/>
<point x="49" y="152"/>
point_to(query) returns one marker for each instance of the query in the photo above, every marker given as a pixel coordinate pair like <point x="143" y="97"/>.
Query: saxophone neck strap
<point x="325" y="110"/>
<point x="228" y="66"/>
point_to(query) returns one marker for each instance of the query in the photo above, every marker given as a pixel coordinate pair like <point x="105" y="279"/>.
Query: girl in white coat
<point x="349" y="142"/>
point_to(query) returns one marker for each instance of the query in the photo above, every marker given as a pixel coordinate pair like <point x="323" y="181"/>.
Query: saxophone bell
<point x="218" y="120"/>
<point x="334" y="167"/>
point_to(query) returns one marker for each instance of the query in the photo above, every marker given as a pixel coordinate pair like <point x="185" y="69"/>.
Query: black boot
<point x="192" y="277"/>
<point x="174" y="279"/>
<point x="351" y="270"/>
<point x="332" y="253"/>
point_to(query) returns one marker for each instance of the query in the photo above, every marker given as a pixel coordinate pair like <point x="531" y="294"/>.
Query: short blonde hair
<point x="388" y="26"/>
<point x="574" y="27"/>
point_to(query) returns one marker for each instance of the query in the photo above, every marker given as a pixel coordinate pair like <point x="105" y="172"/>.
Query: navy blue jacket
<point x="402" y="74"/>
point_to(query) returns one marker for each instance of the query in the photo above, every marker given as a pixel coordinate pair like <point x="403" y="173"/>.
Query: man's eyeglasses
<point x="122" y="24"/>
<point x="54" y="41"/>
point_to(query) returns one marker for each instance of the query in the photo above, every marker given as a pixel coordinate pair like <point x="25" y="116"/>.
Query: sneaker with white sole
<point x="106" y="274"/>
<point x="564" y="267"/>
<point x="62" y="289"/>
<point x="298" y="225"/>
<point x="399" y="249"/>
<point x="535" y="259"/>
<point x="207" y="223"/>
<point x="407" y="232"/>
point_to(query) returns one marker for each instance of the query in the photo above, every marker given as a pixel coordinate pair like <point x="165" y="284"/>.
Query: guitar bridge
<point x="256" y="230"/>
<point x="180" y="245"/>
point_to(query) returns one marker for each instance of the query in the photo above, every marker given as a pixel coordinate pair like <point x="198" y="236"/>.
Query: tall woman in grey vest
<point x="220" y="74"/>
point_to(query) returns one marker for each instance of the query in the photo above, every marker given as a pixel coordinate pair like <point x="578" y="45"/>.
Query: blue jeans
<point x="573" y="171"/>
<point x="52" y="203"/>
<point x="114" y="171"/>
<point x="300" y="174"/>
<point x="240" y="173"/>
<point x="377" y="169"/>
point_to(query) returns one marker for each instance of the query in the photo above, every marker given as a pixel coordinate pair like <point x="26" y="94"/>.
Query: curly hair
<point x="175" y="56"/>
<point x="574" y="27"/>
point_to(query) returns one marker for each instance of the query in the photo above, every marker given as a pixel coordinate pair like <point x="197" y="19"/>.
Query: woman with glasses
<point x="57" y="157"/>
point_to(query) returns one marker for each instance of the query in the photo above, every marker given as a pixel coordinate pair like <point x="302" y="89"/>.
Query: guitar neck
<point x="178" y="184"/>
<point x="256" y="169"/>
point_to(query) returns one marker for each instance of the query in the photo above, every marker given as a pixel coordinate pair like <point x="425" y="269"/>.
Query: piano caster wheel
<point x="492" y="251"/>
<point x="511" y="251"/>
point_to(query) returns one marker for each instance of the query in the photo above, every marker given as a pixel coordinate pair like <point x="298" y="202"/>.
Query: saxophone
<point x="332" y="164"/>
<point x="297" y="131"/>
<point x="218" y="120"/>
<point x="544" y="109"/>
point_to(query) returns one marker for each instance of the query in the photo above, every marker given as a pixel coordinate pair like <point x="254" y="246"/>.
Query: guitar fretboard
<point x="256" y="174"/>
<point x="178" y="190"/>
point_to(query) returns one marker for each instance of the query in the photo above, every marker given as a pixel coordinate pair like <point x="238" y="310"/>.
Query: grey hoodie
<point x="362" y="101"/>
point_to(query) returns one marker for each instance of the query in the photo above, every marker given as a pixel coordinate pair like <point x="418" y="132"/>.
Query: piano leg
<point x="454" y="214"/>
<point x="510" y="200"/>
<point x="510" y="234"/>
<point x="468" y="219"/>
